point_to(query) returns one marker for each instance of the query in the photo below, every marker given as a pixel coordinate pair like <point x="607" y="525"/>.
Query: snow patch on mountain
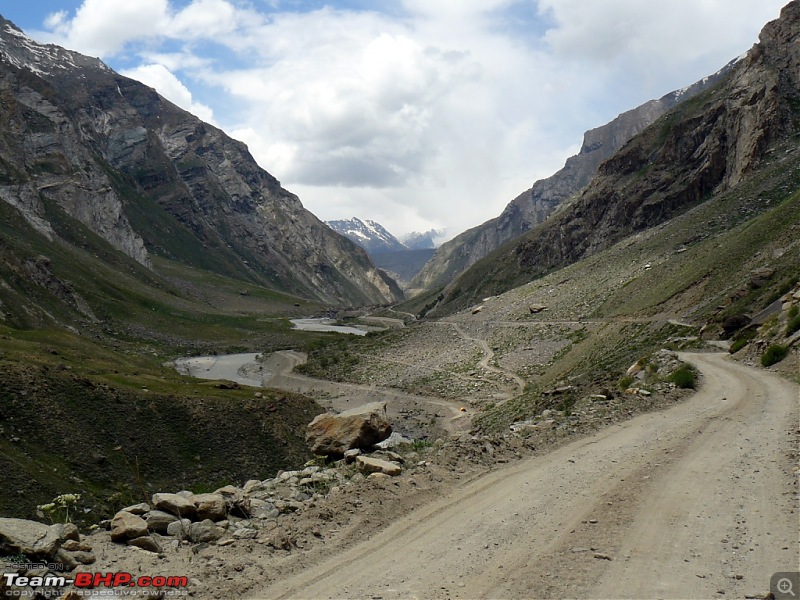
<point x="24" y="53"/>
<point x="370" y="235"/>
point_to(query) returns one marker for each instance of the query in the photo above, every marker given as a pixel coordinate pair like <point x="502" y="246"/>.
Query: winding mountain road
<point x="488" y="355"/>
<point x="697" y="501"/>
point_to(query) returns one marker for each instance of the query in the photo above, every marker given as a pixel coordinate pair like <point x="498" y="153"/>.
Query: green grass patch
<point x="793" y="325"/>
<point x="773" y="355"/>
<point x="738" y="345"/>
<point x="684" y="377"/>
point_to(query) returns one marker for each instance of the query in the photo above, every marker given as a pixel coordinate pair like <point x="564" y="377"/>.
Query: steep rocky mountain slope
<point x="711" y="144"/>
<point x="534" y="205"/>
<point x="87" y="150"/>
<point x="370" y="235"/>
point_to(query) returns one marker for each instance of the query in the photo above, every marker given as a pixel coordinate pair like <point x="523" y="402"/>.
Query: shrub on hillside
<point x="738" y="345"/>
<point x="774" y="354"/>
<point x="625" y="382"/>
<point x="684" y="377"/>
<point x="794" y="325"/>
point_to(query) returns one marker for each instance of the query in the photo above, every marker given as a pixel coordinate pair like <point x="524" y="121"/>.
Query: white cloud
<point x="102" y="28"/>
<point x="205" y="19"/>
<point x="437" y="117"/>
<point x="655" y="42"/>
<point x="165" y="83"/>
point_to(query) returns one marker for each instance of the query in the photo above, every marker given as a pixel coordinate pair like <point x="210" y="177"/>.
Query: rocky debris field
<point x="236" y="538"/>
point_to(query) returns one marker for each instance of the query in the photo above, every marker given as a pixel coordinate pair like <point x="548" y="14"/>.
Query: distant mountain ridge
<point x="400" y="260"/>
<point x="425" y="240"/>
<point x="370" y="235"/>
<point x="81" y="144"/>
<point x="534" y="205"/>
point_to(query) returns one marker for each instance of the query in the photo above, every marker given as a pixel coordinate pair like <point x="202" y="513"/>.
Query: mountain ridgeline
<point x="89" y="158"/>
<point x="707" y="145"/>
<point x="536" y="204"/>
<point x="370" y="235"/>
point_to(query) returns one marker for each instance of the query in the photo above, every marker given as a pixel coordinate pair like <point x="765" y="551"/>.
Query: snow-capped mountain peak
<point x="370" y="235"/>
<point x="24" y="53"/>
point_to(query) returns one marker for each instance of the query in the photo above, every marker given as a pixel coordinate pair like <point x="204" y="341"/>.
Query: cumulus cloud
<point x="654" y="43"/>
<point x="433" y="115"/>
<point x="101" y="28"/>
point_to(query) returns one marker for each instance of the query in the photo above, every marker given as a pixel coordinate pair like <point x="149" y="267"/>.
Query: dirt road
<point x="488" y="356"/>
<point x="698" y="501"/>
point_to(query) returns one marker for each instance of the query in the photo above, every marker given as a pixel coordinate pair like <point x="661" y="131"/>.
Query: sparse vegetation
<point x="58" y="510"/>
<point x="684" y="377"/>
<point x="773" y="355"/>
<point x="793" y="326"/>
<point x="418" y="445"/>
<point x="738" y="345"/>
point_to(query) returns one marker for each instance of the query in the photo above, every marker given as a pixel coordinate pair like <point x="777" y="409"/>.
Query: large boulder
<point x="126" y="526"/>
<point x="362" y="427"/>
<point x="734" y="323"/>
<point x="210" y="506"/>
<point x="236" y="504"/>
<point x="158" y="520"/>
<point x="760" y="277"/>
<point x="205" y="531"/>
<point x="31" y="538"/>
<point x="367" y="464"/>
<point x="179" y="529"/>
<point x="146" y="542"/>
<point x="175" y="504"/>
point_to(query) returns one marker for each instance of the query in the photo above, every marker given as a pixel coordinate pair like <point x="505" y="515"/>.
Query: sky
<point x="418" y="114"/>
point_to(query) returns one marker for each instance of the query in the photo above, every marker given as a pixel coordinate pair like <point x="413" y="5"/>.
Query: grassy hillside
<point x="115" y="425"/>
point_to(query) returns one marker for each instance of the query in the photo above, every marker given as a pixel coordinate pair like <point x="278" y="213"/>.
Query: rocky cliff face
<point x="81" y="142"/>
<point x="709" y="144"/>
<point x="534" y="205"/>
